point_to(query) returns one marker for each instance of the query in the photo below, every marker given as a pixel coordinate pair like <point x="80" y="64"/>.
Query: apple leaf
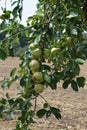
<point x="81" y="81"/>
<point x="3" y="55"/>
<point x="72" y="14"/>
<point x="40" y="113"/>
<point x="74" y="85"/>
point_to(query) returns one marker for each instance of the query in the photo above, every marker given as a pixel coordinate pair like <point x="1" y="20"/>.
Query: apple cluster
<point x="35" y="65"/>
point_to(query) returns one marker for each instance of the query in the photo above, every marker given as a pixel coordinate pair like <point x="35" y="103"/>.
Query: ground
<point x="73" y="105"/>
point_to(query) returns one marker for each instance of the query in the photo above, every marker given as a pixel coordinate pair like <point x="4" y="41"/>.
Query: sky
<point x="29" y="8"/>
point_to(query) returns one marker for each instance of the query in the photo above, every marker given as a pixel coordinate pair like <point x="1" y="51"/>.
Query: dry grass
<point x="73" y="105"/>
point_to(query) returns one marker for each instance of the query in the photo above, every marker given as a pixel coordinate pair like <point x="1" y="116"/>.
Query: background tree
<point x="57" y="38"/>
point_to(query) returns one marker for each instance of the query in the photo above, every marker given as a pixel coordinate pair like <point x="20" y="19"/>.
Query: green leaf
<point x="72" y="14"/>
<point x="41" y="113"/>
<point x="6" y="83"/>
<point x="20" y="12"/>
<point x="31" y="113"/>
<point x="6" y="29"/>
<point x="15" y="10"/>
<point x="53" y="83"/>
<point x="11" y="101"/>
<point x="60" y="75"/>
<point x="11" y="51"/>
<point x="57" y="115"/>
<point x="18" y="101"/>
<point x="13" y="72"/>
<point x="23" y="81"/>
<point x="66" y="84"/>
<point x="1" y="111"/>
<point x="81" y="81"/>
<point x="45" y="105"/>
<point x="3" y="55"/>
<point x="6" y="14"/>
<point x="13" y="3"/>
<point x="3" y="101"/>
<point x="48" y="113"/>
<point x="7" y="95"/>
<point x="77" y="69"/>
<point x="47" y="78"/>
<point x="56" y="112"/>
<point x="74" y="85"/>
<point x="74" y="31"/>
<point x="22" y="105"/>
<point x="80" y="61"/>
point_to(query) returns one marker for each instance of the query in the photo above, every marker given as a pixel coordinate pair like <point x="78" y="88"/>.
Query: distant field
<point x="73" y="105"/>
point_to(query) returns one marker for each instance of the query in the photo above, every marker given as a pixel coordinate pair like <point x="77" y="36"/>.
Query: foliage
<point x="57" y="35"/>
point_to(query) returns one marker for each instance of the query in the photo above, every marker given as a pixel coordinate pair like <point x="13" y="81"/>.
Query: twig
<point x="10" y="36"/>
<point x="44" y="99"/>
<point x="35" y="106"/>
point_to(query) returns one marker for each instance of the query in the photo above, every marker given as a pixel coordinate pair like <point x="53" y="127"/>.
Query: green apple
<point x="34" y="65"/>
<point x="36" y="53"/>
<point x="39" y="88"/>
<point x="46" y="53"/>
<point x="37" y="77"/>
<point x="69" y="40"/>
<point x="54" y="51"/>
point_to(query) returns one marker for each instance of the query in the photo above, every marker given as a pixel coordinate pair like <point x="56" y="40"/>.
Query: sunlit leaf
<point x="72" y="14"/>
<point x="80" y="61"/>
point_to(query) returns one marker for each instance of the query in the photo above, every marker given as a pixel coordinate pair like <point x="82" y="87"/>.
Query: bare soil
<point x="73" y="105"/>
